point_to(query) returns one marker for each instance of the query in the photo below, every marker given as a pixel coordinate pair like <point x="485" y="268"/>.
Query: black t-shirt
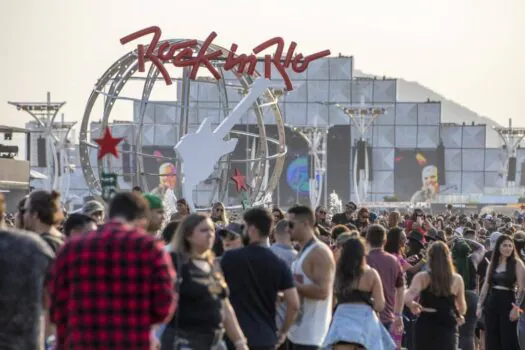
<point x="200" y="298"/>
<point x="255" y="275"/>
<point x="342" y="219"/>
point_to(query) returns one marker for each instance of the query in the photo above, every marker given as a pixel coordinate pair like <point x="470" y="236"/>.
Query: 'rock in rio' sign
<point x="181" y="55"/>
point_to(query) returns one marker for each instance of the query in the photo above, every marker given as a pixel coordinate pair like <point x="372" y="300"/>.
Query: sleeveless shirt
<point x="314" y="316"/>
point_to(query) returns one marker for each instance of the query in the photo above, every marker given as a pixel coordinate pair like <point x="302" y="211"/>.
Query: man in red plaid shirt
<point x="108" y="288"/>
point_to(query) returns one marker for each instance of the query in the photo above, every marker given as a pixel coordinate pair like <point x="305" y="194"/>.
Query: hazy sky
<point x="471" y="51"/>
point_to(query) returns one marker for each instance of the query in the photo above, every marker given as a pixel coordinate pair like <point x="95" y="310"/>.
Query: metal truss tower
<point x="512" y="138"/>
<point x="45" y="113"/>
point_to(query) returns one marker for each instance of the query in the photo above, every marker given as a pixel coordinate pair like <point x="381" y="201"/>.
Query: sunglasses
<point x="322" y="212"/>
<point x="219" y="209"/>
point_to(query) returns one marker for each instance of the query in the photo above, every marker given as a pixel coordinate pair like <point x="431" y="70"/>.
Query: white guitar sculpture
<point x="201" y="150"/>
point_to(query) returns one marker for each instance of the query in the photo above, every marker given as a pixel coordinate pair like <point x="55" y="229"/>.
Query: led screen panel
<point x="416" y="174"/>
<point x="160" y="170"/>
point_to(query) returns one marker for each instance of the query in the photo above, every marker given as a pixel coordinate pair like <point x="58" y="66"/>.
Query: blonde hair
<point x="394" y="219"/>
<point x="223" y="218"/>
<point x="180" y="243"/>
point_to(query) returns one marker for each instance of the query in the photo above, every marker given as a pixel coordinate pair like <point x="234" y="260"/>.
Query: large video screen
<point x="293" y="186"/>
<point x="417" y="175"/>
<point x="161" y="172"/>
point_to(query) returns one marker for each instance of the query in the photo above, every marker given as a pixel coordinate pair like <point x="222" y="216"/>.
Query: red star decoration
<point x="240" y="180"/>
<point x="108" y="144"/>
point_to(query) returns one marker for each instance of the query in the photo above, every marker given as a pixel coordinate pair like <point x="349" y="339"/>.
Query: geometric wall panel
<point x="317" y="90"/>
<point x="383" y="159"/>
<point x="451" y="136"/>
<point x="406" y="113"/>
<point x="429" y="113"/>
<point x="384" y="136"/>
<point x="473" y="182"/>
<point x="384" y="91"/>
<point x="149" y="115"/>
<point x="493" y="179"/>
<point x="298" y="94"/>
<point x="389" y="118"/>
<point x="362" y="91"/>
<point x="148" y="135"/>
<point x="454" y="181"/>
<point x="340" y="68"/>
<point x="474" y="136"/>
<point x="427" y="136"/>
<point x="166" y="113"/>
<point x="339" y="91"/>
<point x="318" y="70"/>
<point x="473" y="159"/>
<point x="383" y="181"/>
<point x="406" y="136"/>
<point x="166" y="135"/>
<point x="296" y="113"/>
<point x="493" y="159"/>
<point x="452" y="160"/>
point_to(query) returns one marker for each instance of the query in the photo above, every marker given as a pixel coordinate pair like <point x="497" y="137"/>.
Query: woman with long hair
<point x="203" y="311"/>
<point x="442" y="304"/>
<point x="218" y="214"/>
<point x="498" y="300"/>
<point x="394" y="220"/>
<point x="395" y="245"/>
<point x="359" y="295"/>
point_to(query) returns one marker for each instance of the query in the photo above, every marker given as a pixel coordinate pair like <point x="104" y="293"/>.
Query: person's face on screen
<point x="168" y="176"/>
<point x="431" y="181"/>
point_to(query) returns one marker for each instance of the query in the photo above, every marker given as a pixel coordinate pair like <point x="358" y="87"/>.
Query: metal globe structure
<point x="110" y="86"/>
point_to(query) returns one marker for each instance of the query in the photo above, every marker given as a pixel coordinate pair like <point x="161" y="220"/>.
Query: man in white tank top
<point x="313" y="270"/>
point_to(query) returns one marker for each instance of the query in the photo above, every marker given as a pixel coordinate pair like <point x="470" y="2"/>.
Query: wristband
<point x="241" y="341"/>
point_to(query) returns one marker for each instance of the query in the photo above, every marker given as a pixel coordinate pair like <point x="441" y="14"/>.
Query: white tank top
<point x="314" y="317"/>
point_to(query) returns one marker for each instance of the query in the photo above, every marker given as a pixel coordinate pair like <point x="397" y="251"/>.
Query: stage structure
<point x="221" y="64"/>
<point x="315" y="138"/>
<point x="362" y="118"/>
<point x="57" y="145"/>
<point x="512" y="138"/>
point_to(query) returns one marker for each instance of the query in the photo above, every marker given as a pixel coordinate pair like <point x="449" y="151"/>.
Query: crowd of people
<point x="119" y="277"/>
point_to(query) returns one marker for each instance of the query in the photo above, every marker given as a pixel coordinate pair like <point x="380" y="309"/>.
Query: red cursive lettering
<point x="181" y="54"/>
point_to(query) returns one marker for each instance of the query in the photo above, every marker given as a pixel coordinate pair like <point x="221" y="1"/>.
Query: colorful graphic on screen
<point x="416" y="175"/>
<point x="161" y="173"/>
<point x="297" y="175"/>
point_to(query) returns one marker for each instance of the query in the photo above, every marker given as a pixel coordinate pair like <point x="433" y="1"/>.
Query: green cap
<point x="154" y="201"/>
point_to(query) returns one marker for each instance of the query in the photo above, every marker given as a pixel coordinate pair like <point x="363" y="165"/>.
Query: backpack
<point x="462" y="258"/>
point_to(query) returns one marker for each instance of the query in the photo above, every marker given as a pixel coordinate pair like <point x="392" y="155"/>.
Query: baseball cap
<point x="232" y="229"/>
<point x="493" y="239"/>
<point x="92" y="207"/>
<point x="154" y="201"/>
